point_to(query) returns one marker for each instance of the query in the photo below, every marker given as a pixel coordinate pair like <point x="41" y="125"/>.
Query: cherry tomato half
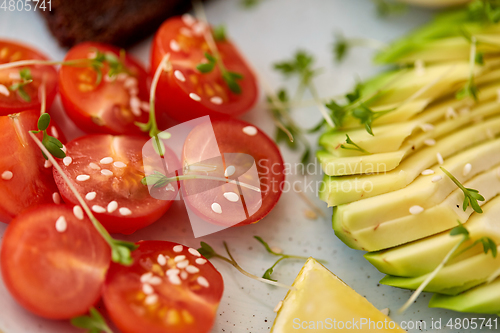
<point x="25" y="176"/>
<point x="111" y="105"/>
<point x="184" y="93"/>
<point x="169" y="288"/>
<point x="28" y="97"/>
<point x="53" y="263"/>
<point x="107" y="171"/>
<point x="231" y="204"/>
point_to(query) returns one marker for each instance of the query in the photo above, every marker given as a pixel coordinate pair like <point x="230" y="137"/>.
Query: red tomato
<point x="54" y="269"/>
<point x="184" y="93"/>
<point x="227" y="203"/>
<point x="107" y="171"/>
<point x="25" y="176"/>
<point x="113" y="105"/>
<point x="169" y="288"/>
<point x="12" y="101"/>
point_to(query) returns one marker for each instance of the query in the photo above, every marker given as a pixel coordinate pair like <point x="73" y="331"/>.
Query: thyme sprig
<point x="471" y="196"/>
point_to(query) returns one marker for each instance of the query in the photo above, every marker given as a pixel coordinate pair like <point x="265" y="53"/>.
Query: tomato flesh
<point x="228" y="204"/>
<point x="184" y="93"/>
<point x="112" y="170"/>
<point x="12" y="101"/>
<point x="113" y="105"/>
<point x="177" y="294"/>
<point x="54" y="274"/>
<point x="25" y="177"/>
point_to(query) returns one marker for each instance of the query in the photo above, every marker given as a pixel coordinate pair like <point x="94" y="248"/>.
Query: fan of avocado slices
<point x="412" y="167"/>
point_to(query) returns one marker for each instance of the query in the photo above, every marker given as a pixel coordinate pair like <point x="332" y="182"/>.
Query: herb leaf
<point x="460" y="230"/>
<point x="231" y="80"/>
<point x="471" y="196"/>
<point x="93" y="323"/>
<point x="121" y="251"/>
<point x="350" y="143"/>
<point x="338" y="113"/>
<point x="219" y="33"/>
<point x="43" y="122"/>
<point x="207" y="67"/>
<point x="300" y="65"/>
<point x="367" y="116"/>
<point x="206" y="250"/>
<point x="25" y="75"/>
<point x="53" y="145"/>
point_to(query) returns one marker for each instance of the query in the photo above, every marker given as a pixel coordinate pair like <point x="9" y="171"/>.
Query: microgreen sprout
<point x="53" y="145"/>
<point x="120" y="250"/>
<point x="351" y="145"/>
<point x="25" y="75"/>
<point x="116" y="64"/>
<point x="207" y="67"/>
<point x="471" y="196"/>
<point x="208" y="252"/>
<point x="366" y="116"/>
<point x="343" y="45"/>
<point x="486" y="11"/>
<point x="92" y="323"/>
<point x="470" y="88"/>
<point x="219" y="33"/>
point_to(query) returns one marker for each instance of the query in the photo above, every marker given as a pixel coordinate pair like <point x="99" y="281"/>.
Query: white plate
<point x="269" y="33"/>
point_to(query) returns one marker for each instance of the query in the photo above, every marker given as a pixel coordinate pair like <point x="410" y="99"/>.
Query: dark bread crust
<point x="118" y="22"/>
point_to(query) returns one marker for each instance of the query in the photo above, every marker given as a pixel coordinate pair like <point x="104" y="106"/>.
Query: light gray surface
<point x="268" y="33"/>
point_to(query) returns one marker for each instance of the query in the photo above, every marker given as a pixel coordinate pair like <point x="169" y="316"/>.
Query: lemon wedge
<point x="321" y="302"/>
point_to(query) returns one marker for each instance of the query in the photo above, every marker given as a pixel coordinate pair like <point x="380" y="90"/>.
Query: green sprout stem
<point x="471" y="196"/>
<point x="351" y="145"/>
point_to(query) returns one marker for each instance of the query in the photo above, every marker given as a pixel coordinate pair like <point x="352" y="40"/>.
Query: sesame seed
<point x="82" y="178"/>
<point x="130" y="82"/>
<point x="467" y="169"/>
<point x="250" y="130"/>
<point x="450" y="113"/>
<point x="276" y="249"/>
<point x="161" y="260"/>
<point x="439" y="158"/>
<point x="125" y="211"/>
<point x="203" y="282"/>
<point x="188" y="19"/>
<point x="67" y="160"/>
<point x="14" y="76"/>
<point x="147" y="289"/>
<point x="174" y="279"/>
<point x="195" y="97"/>
<point x="426" y="127"/>
<point x="183" y="264"/>
<point x="230" y="170"/>
<point x="201" y="261"/>
<point x="78" y="212"/>
<point x="184" y="275"/>
<point x="179" y="76"/>
<point x="94" y="166"/>
<point x="174" y="46"/>
<point x="414" y="210"/>
<point x="98" y="209"/>
<point x="135" y="105"/>
<point x="199" y="28"/>
<point x="53" y="132"/>
<point x="216" y="100"/>
<point x="178" y="248"/>
<point x="119" y="164"/>
<point x="435" y="179"/>
<point x="146" y="276"/>
<point x="216" y="208"/>
<point x="172" y="271"/>
<point x="107" y="172"/>
<point x="155" y="281"/>
<point x="4" y="90"/>
<point x="430" y="142"/>
<point x="106" y="160"/>
<point x="179" y="258"/>
<point x="192" y="269"/>
<point x="112" y="206"/>
<point x="90" y="196"/>
<point x="231" y="196"/>
<point x="61" y="224"/>
<point x="56" y="198"/>
<point x="278" y="306"/>
<point x="427" y="172"/>
<point x="7" y="175"/>
<point x="194" y="252"/>
<point x="185" y="31"/>
<point x="47" y="164"/>
<point x="151" y="299"/>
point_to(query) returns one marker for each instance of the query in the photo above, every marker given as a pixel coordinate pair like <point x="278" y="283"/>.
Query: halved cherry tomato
<point x="107" y="171"/>
<point x="231" y="204"/>
<point x="111" y="106"/>
<point x="169" y="288"/>
<point x="53" y="263"/>
<point x="13" y="101"/>
<point x="25" y="176"/>
<point x="184" y="93"/>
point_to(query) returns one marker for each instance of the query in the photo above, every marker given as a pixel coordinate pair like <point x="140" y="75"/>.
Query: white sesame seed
<point x="216" y="208"/>
<point x="61" y="224"/>
<point x="146" y="276"/>
<point x="231" y="196"/>
<point x="216" y="100"/>
<point x="194" y="252"/>
<point x="56" y="198"/>
<point x="147" y="289"/>
<point x="467" y="169"/>
<point x="155" y="280"/>
<point x="173" y="271"/>
<point x="426" y="127"/>
<point x="199" y="28"/>
<point x="188" y="19"/>
<point x="174" y="46"/>
<point x="125" y="211"/>
<point x="122" y="77"/>
<point x="112" y="206"/>
<point x="184" y="275"/>
<point x="435" y="179"/>
<point x="7" y="175"/>
<point x="178" y="248"/>
<point x="183" y="264"/>
<point x="67" y="160"/>
<point x="195" y="97"/>
<point x="201" y="261"/>
<point x="440" y="158"/>
<point x="90" y="196"/>
<point x="98" y="209"/>
<point x="430" y="142"/>
<point x="119" y="164"/>
<point x="203" y="282"/>
<point x="135" y="105"/>
<point x="192" y="269"/>
<point x="416" y="210"/>
<point x="106" y="160"/>
<point x="179" y="258"/>
<point x="278" y="306"/>
<point x="179" y="76"/>
<point x="174" y="279"/>
<point x="186" y="32"/>
<point x="78" y="212"/>
<point x="427" y="172"/>
<point x="151" y="299"/>
<point x="4" y="90"/>
<point x="276" y="249"/>
<point x="107" y="172"/>
<point x="14" y="76"/>
<point x="47" y="164"/>
<point x="450" y="113"/>
<point x="82" y="178"/>
<point x="94" y="166"/>
<point x="250" y="130"/>
<point x="130" y="82"/>
<point x="161" y="260"/>
<point x="230" y="170"/>
<point x="53" y="132"/>
<point x="385" y="311"/>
